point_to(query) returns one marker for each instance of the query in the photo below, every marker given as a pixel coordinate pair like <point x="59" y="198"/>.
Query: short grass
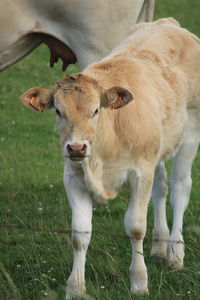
<point x="35" y="255"/>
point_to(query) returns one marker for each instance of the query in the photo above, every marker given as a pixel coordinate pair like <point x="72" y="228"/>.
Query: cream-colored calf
<point x="153" y="76"/>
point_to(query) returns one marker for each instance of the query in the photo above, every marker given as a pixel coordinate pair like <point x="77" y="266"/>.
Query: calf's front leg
<point x="81" y="206"/>
<point x="135" y="225"/>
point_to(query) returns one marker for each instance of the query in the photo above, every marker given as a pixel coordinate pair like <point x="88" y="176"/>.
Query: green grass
<point x="32" y="197"/>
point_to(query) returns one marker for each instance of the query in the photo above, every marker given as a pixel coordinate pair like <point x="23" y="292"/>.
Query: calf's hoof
<point x="159" y="251"/>
<point x="139" y="287"/>
<point x="175" y="255"/>
<point x="138" y="290"/>
<point x="75" y="288"/>
<point x="70" y="295"/>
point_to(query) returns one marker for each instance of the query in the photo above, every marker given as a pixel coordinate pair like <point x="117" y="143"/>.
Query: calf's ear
<point x="115" y="97"/>
<point x="38" y="99"/>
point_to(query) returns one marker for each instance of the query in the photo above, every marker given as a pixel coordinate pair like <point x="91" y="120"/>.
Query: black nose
<point x="76" y="150"/>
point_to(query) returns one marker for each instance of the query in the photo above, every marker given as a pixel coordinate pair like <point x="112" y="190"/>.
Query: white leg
<point x="135" y="225"/>
<point x="160" y="231"/>
<point x="81" y="205"/>
<point x="180" y="191"/>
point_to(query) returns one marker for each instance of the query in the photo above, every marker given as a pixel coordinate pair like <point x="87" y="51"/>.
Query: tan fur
<point x="155" y="63"/>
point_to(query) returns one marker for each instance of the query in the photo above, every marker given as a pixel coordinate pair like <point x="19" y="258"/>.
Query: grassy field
<point x="35" y="256"/>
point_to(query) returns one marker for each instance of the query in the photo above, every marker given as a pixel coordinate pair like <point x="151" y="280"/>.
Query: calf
<point x="118" y="121"/>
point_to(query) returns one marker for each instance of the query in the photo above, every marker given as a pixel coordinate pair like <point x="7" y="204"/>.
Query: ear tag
<point x="117" y="104"/>
<point x="37" y="106"/>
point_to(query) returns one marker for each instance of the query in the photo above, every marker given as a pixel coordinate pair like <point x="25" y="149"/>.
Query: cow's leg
<point x="180" y="191"/>
<point x="135" y="225"/>
<point x="160" y="231"/>
<point x="81" y="206"/>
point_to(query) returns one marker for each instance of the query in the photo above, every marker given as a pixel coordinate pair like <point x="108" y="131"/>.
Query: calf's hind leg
<point x="160" y="230"/>
<point x="181" y="183"/>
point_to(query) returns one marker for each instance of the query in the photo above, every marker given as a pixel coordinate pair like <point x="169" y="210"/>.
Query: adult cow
<point x="73" y="29"/>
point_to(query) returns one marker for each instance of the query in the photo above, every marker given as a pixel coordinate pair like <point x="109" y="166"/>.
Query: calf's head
<point x="77" y="101"/>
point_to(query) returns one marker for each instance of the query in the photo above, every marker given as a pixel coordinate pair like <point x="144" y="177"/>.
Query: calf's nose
<point x="76" y="150"/>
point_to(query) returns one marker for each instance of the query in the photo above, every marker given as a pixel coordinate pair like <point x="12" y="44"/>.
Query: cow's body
<point x="158" y="65"/>
<point x="73" y="29"/>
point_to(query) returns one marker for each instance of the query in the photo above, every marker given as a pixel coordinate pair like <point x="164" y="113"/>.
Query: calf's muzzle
<point x="76" y="151"/>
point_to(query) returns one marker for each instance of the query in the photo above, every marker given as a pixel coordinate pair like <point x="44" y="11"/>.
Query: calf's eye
<point x="96" y="112"/>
